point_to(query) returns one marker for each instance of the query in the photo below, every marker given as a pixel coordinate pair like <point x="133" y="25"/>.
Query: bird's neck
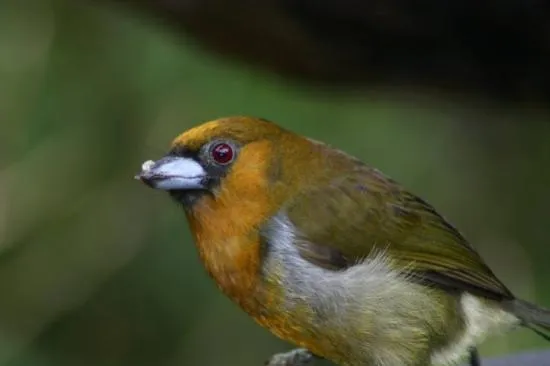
<point x="229" y="246"/>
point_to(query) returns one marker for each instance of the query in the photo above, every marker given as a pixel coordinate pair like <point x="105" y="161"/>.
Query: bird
<point x="329" y="253"/>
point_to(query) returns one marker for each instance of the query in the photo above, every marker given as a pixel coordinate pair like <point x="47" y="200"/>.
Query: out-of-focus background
<point x="96" y="269"/>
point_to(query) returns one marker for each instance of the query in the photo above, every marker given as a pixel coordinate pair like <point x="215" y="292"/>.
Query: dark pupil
<point x="222" y="153"/>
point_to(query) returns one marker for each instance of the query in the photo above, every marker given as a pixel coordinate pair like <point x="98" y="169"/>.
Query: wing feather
<point x="342" y="222"/>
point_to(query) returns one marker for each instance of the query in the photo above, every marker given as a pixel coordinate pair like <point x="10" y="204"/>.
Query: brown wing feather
<point x="342" y="222"/>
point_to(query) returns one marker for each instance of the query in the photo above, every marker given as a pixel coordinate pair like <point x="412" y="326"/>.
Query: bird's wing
<point x="340" y="223"/>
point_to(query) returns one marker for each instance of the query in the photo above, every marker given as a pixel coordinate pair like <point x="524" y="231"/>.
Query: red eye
<point x="222" y="153"/>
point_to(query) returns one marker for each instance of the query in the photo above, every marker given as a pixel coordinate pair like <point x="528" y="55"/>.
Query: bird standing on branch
<point x="329" y="253"/>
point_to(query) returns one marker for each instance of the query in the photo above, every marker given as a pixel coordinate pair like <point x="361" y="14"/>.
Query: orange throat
<point x="233" y="261"/>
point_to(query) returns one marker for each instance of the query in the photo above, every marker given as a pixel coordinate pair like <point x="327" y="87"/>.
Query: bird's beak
<point x="173" y="173"/>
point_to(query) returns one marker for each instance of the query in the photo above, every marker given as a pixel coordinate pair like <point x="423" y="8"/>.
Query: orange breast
<point x="234" y="261"/>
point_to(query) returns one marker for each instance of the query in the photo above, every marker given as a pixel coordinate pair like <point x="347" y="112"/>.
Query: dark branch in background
<point x="489" y="49"/>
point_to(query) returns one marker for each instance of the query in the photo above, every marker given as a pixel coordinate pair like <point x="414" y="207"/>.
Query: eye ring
<point x="222" y="153"/>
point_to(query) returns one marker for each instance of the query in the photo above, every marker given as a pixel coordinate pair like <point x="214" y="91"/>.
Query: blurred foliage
<point x="95" y="269"/>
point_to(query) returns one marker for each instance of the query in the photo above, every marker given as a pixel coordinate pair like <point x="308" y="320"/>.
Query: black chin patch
<point x="187" y="198"/>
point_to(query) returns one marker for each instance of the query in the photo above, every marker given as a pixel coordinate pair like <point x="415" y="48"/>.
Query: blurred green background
<point x="96" y="269"/>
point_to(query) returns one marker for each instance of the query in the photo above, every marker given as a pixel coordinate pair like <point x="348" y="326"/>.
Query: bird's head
<point x="237" y="159"/>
